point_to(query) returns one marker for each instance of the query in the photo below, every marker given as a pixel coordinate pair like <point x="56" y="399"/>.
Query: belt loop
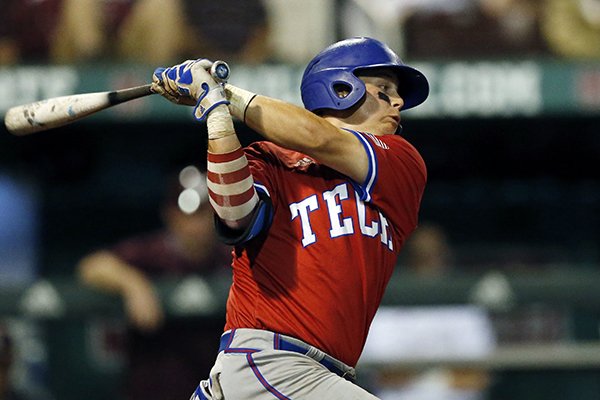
<point x="276" y="341"/>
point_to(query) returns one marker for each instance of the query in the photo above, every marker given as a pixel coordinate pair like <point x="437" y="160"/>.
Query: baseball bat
<point x="58" y="111"/>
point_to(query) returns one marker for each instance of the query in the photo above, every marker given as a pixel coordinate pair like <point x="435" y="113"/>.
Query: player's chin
<point x="388" y="128"/>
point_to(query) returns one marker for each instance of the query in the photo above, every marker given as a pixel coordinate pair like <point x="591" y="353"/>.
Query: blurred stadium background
<point x="510" y="134"/>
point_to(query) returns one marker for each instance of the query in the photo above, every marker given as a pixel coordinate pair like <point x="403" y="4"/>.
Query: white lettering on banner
<point x="28" y="84"/>
<point x="483" y="89"/>
<point x="340" y="226"/>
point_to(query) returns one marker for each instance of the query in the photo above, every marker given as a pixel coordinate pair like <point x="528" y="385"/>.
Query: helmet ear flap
<point x="336" y="90"/>
<point x="341" y="89"/>
<point x="347" y="91"/>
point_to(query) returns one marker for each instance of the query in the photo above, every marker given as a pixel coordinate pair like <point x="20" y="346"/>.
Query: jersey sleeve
<point x="395" y="180"/>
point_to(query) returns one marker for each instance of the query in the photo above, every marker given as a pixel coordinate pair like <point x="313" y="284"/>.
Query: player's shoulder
<point x="390" y="142"/>
<point x="397" y="148"/>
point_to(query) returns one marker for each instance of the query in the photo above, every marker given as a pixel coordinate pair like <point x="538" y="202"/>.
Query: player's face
<point x="380" y="112"/>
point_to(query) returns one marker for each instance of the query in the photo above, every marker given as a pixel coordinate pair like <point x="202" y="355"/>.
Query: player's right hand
<point x="190" y="83"/>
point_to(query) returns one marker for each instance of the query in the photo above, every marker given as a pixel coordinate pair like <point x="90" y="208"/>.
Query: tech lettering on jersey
<point x="302" y="209"/>
<point x="339" y="226"/>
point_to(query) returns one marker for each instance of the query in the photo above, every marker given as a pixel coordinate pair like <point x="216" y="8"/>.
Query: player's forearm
<point x="230" y="183"/>
<point x="290" y="126"/>
<point x="282" y="123"/>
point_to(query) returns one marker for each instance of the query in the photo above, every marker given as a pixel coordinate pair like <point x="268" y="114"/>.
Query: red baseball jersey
<point x="321" y="270"/>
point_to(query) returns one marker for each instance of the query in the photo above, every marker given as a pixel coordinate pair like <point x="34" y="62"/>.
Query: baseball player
<point x="317" y="214"/>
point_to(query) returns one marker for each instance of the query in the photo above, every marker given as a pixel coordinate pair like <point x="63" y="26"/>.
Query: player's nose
<point x="397" y="102"/>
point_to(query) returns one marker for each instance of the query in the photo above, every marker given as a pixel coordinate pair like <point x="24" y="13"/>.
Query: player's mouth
<point x="395" y="118"/>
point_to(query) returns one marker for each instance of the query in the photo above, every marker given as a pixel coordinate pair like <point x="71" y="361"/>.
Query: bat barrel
<point x="54" y="112"/>
<point x="59" y="111"/>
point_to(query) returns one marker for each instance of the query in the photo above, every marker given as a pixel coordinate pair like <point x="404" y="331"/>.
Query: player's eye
<point x="388" y="89"/>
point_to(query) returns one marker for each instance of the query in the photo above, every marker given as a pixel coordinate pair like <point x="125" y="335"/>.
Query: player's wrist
<point x="219" y="123"/>
<point x="239" y="100"/>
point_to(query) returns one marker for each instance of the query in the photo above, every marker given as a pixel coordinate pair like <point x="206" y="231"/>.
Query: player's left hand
<point x="168" y="93"/>
<point x="190" y="83"/>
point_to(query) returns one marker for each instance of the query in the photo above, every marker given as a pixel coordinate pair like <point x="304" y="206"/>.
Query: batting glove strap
<point x="212" y="96"/>
<point x="239" y="100"/>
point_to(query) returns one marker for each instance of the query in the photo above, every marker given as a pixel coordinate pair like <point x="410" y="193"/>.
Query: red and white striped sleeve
<point x="231" y="187"/>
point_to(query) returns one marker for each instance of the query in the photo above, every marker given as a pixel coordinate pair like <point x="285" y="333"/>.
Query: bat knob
<point x="220" y="71"/>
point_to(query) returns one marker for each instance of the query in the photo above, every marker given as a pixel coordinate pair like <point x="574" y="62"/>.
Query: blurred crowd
<point x="258" y="31"/>
<point x="164" y="355"/>
<point x="480" y="28"/>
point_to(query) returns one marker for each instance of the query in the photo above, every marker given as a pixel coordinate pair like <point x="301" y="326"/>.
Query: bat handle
<point x="123" y="95"/>
<point x="219" y="70"/>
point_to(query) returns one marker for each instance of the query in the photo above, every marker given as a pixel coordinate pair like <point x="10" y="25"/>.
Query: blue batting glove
<point x="190" y="83"/>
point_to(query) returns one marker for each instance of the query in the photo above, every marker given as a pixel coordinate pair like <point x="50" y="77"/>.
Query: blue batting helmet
<point x="338" y="64"/>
